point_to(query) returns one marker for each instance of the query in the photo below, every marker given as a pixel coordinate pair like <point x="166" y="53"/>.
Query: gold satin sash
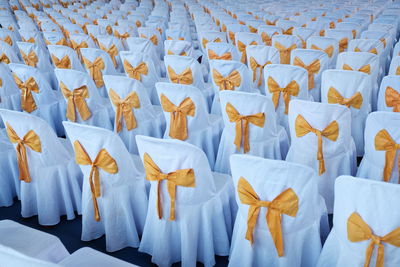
<point x="366" y="68"/>
<point x="182" y="177"/>
<point x="28" y="103"/>
<point x="292" y="89"/>
<point x="76" y="101"/>
<point x="343" y="44"/>
<point x="286" y="203"/>
<point x="266" y="38"/>
<point x="254" y="66"/>
<point x="373" y="50"/>
<point x="31" y="140"/>
<point x="312" y="69"/>
<point x="185" y="77"/>
<point x="31" y="59"/>
<point x="334" y="97"/>
<point x="124" y="109"/>
<point x="77" y="47"/>
<point x="136" y="72"/>
<point x="358" y="230"/>
<point x="284" y="52"/>
<point x="242" y="50"/>
<point x="224" y="56"/>
<point x="331" y="132"/>
<point x="30" y="40"/>
<point x="95" y="69"/>
<point x="8" y="40"/>
<point x="232" y="37"/>
<point x="121" y="36"/>
<point x="112" y="51"/>
<point x="229" y="82"/>
<point x="153" y="39"/>
<point x="103" y="161"/>
<point x="384" y="142"/>
<point x="392" y="99"/>
<point x="4" y="59"/>
<point x="288" y="31"/>
<point x="178" y="123"/>
<point x="63" y="63"/>
<point x="242" y="125"/>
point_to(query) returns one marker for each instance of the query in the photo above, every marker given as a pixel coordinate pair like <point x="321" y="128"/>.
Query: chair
<point x="50" y="179"/>
<point x="191" y="121"/>
<point x="289" y="193"/>
<point x="10" y="38"/>
<point x="303" y="34"/>
<point x="64" y="57"/>
<point x="328" y="45"/>
<point x="284" y="83"/>
<point x="380" y="148"/>
<point x="113" y="187"/>
<point x="84" y="103"/>
<point x="389" y="94"/>
<point x="257" y="133"/>
<point x="364" y="211"/>
<point x="154" y="36"/>
<point x="180" y="48"/>
<point x="285" y="45"/>
<point x="134" y="112"/>
<point x="321" y="139"/>
<point x="200" y="198"/>
<point x="351" y="89"/>
<point x="315" y="63"/>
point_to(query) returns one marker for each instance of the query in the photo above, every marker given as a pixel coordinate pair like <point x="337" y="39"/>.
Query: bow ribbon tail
<point x="94" y="181"/>
<point x="178" y="127"/>
<point x="83" y="108"/>
<point x="274" y="221"/>
<point x="311" y="82"/>
<point x="130" y="120"/>
<point x="286" y="98"/>
<point x="159" y="204"/>
<point x="261" y="75"/>
<point x="71" y="112"/>
<point x="172" y="194"/>
<point x="320" y="155"/>
<point x="251" y="222"/>
<point x="390" y="156"/>
<point x="238" y="136"/>
<point x="245" y="134"/>
<point x="118" y="118"/>
<point x="22" y="161"/>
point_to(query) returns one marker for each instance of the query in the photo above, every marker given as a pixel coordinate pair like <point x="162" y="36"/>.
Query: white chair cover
<point x="203" y="129"/>
<point x="55" y="186"/>
<point x="112" y="45"/>
<point x="149" y="119"/>
<point x="17" y="259"/>
<point x="285" y="44"/>
<point x="394" y="68"/>
<point x="9" y="92"/>
<point x="208" y="208"/>
<point x="339" y="155"/>
<point x="268" y="141"/>
<point x="349" y="85"/>
<point x="221" y="49"/>
<point x="245" y="39"/>
<point x="123" y="194"/>
<point x="267" y="31"/>
<point x="301" y="234"/>
<point x="7" y="54"/>
<point x="374" y="161"/>
<point x="376" y="204"/>
<point x="342" y="36"/>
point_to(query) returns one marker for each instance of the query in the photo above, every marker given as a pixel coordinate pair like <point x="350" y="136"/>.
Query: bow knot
<point x="254" y="66"/>
<point x="230" y="82"/>
<point x="384" y="142"/>
<point x="153" y="39"/>
<point x="136" y="72"/>
<point x="121" y="36"/>
<point x="334" y="97"/>
<point x="30" y="59"/>
<point x="124" y="109"/>
<point x="95" y="67"/>
<point x="242" y="125"/>
<point x="31" y="140"/>
<point x="77" y="47"/>
<point x="292" y="89"/>
<point x="185" y="77"/>
<point x="331" y="132"/>
<point x="178" y="125"/>
<point x="328" y="50"/>
<point x="103" y="161"/>
<point x="181" y="177"/>
<point x="286" y="203"/>
<point x="392" y="99"/>
<point x="28" y="103"/>
<point x="311" y="69"/>
<point x="76" y="100"/>
<point x="366" y="68"/>
<point x="284" y="52"/>
<point x="63" y="63"/>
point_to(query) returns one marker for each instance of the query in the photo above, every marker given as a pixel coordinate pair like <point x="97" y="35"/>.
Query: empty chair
<point x="113" y="187"/>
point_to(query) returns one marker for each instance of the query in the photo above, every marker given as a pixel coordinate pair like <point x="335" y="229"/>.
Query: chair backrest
<point x="394" y="68"/>
<point x="211" y="37"/>
<point x="287" y="26"/>
<point x="244" y="39"/>
<point x="328" y="45"/>
<point x="8" y="54"/>
<point x="389" y="94"/>
<point x="92" y="54"/>
<point x="343" y="37"/>
<point x="376" y="203"/>
<point x="145" y="46"/>
<point x="54" y="38"/>
<point x="61" y="51"/>
<point x="171" y="155"/>
<point x="354" y="27"/>
<point x="220" y="49"/>
<point x="285" y="44"/>
<point x="152" y="34"/>
<point x="179" y="64"/>
<point x="267" y="31"/>
<point x="10" y="38"/>
<point x="303" y="34"/>
<point x="232" y="29"/>
<point x="178" y="47"/>
<point x="35" y="55"/>
<point x="112" y="143"/>
<point x="8" y="87"/>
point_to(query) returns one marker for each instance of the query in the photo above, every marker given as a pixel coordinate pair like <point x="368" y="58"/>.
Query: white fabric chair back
<point x="60" y="51"/>
<point x="178" y="47"/>
<point x="284" y="42"/>
<point x="267" y="31"/>
<point x="261" y="55"/>
<point x="394" y="68"/>
<point x="221" y="49"/>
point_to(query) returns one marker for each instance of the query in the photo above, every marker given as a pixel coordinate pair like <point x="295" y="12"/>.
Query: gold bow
<point x="178" y="125"/>
<point x="224" y="56"/>
<point x="185" y="77"/>
<point x="112" y="51"/>
<point x="76" y="100"/>
<point x="252" y="29"/>
<point x="4" y="59"/>
<point x="8" y="40"/>
<point x="31" y="59"/>
<point x="373" y="50"/>
<point x="266" y="38"/>
<point x="392" y="98"/>
<point x="103" y="161"/>
<point x="136" y="72"/>
<point x="64" y="63"/>
<point x="62" y="41"/>
<point x="343" y="44"/>
<point x="223" y="28"/>
<point x="182" y="177"/>
<point x="232" y="37"/>
<point x="30" y="40"/>
<point x="229" y="82"/>
<point x="288" y="31"/>
<point x="366" y="68"/>
<point x="312" y="69"/>
<point x="204" y="41"/>
<point x="292" y="89"/>
<point x="172" y="53"/>
<point x="284" y="52"/>
<point x="77" y="47"/>
<point x="31" y="140"/>
<point x="121" y="36"/>
<point x="242" y="125"/>
<point x="384" y="142"/>
<point x="153" y="39"/>
<point x="95" y="69"/>
<point x="124" y="109"/>
<point x="286" y="203"/>
<point x="328" y="50"/>
<point x="242" y="49"/>
<point x="28" y="103"/>
<point x="334" y="97"/>
<point x="254" y="66"/>
<point x="358" y="230"/>
<point x="322" y="33"/>
<point x="331" y="132"/>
